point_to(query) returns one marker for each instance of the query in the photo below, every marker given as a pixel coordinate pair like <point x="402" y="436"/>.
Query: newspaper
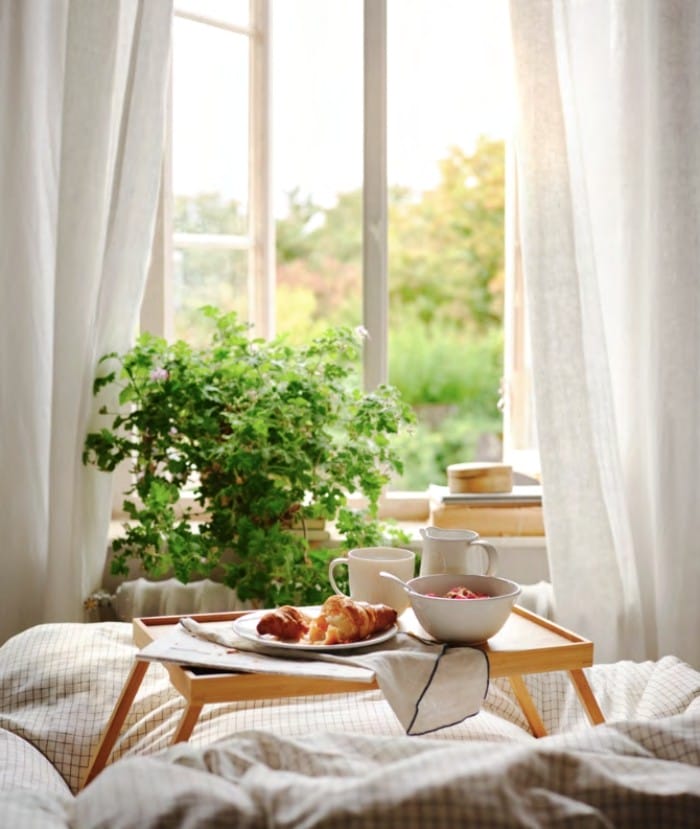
<point x="240" y="656"/>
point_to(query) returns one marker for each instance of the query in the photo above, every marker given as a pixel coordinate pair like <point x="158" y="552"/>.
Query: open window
<point x="290" y="195"/>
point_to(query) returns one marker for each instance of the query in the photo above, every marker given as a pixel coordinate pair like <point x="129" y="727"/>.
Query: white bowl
<point x="465" y="621"/>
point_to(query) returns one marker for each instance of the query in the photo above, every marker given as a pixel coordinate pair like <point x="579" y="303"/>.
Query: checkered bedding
<point x="338" y="760"/>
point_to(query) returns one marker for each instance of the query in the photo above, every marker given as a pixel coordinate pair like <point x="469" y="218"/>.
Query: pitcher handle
<point x="492" y="554"/>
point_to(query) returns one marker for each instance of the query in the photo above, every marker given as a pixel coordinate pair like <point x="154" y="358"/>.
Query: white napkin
<point x="428" y="685"/>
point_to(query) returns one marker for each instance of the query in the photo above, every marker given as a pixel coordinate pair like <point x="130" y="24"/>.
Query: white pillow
<point x="23" y="767"/>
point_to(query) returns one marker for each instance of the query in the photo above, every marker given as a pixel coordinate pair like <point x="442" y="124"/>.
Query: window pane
<point x="317" y="135"/>
<point x="210" y="118"/>
<point x="204" y="276"/>
<point x="230" y="11"/>
<point x="448" y="116"/>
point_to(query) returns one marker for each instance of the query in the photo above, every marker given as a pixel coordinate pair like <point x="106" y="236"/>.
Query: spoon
<point x="406" y="587"/>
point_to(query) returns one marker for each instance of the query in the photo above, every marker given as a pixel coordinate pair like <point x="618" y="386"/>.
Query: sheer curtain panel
<point x="82" y="102"/>
<point x="608" y="155"/>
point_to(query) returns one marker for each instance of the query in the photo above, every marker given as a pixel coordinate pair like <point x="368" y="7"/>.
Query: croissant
<point x="284" y="622"/>
<point x="343" y="620"/>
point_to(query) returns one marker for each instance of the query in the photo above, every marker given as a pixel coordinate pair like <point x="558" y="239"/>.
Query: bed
<point x="340" y="760"/>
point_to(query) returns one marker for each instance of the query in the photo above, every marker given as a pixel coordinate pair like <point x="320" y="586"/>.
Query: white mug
<point x="366" y="585"/>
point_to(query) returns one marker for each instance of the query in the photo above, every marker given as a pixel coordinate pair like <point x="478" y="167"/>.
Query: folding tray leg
<point x="585" y="694"/>
<point x="526" y="703"/>
<point x="187" y="723"/>
<point x="116" y="721"/>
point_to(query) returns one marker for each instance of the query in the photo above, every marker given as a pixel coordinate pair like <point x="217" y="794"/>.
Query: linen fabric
<point x="23" y="767"/>
<point x="82" y="104"/>
<point x="623" y="775"/>
<point x="608" y="181"/>
<point x="60" y="682"/>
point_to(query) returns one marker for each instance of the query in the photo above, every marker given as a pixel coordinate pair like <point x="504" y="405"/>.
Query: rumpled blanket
<point x="625" y="774"/>
<point x="59" y="683"/>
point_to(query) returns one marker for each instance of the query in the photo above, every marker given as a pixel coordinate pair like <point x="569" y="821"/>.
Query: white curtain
<point x="82" y="101"/>
<point x="608" y="160"/>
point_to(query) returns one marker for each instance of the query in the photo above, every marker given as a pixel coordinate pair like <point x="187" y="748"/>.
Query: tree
<point x="446" y="245"/>
<point x="446" y="249"/>
<point x="293" y="233"/>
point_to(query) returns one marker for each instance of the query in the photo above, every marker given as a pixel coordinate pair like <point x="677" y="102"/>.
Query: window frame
<point x="157" y="310"/>
<point x="375" y="278"/>
<point x="157" y="313"/>
<point x="519" y="428"/>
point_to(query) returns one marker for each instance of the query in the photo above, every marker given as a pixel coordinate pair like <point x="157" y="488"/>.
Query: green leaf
<point x="270" y="431"/>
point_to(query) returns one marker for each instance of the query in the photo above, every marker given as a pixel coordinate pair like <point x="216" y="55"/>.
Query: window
<point x="281" y="111"/>
<point x="215" y="237"/>
<point x="520" y="439"/>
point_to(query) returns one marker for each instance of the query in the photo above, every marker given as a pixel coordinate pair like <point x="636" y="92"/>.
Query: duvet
<point x="340" y="760"/>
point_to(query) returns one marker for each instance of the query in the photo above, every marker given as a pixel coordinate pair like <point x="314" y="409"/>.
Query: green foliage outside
<point x="449" y="367"/>
<point x="446" y="272"/>
<point x="455" y="378"/>
<point x="446" y="248"/>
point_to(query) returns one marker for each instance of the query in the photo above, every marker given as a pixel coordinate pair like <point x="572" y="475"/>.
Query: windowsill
<point x="400" y="505"/>
<point x="522" y="549"/>
<point x="412" y="528"/>
<point x="409" y="510"/>
<point x="521" y="558"/>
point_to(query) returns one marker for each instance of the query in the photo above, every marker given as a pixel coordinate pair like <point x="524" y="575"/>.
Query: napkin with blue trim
<point x="429" y="685"/>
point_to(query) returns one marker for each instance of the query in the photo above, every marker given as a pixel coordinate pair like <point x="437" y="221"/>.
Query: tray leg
<point x="187" y="723"/>
<point x="585" y="694"/>
<point x="116" y="721"/>
<point x="526" y="703"/>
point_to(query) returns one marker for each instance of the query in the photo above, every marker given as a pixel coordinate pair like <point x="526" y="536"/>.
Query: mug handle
<point x="331" y="568"/>
<point x="492" y="554"/>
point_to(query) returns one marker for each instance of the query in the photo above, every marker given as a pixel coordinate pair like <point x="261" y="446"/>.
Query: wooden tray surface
<point x="527" y="643"/>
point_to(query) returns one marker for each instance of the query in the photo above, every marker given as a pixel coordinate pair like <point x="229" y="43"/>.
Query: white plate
<point x="246" y="628"/>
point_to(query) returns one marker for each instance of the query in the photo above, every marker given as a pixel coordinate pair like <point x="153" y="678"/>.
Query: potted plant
<point x="265" y="434"/>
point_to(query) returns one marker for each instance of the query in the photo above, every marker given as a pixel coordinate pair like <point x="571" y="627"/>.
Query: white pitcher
<point x="445" y="551"/>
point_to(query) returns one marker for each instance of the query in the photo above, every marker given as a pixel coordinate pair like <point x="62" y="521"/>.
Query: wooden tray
<point x="526" y="644"/>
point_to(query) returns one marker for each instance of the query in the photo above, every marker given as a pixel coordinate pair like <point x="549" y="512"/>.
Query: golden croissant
<point x="286" y="622"/>
<point x="341" y="620"/>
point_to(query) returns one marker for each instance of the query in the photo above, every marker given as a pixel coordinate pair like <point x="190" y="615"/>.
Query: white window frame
<point x="157" y="313"/>
<point x="375" y="281"/>
<point x="519" y="432"/>
<point x="156" y="310"/>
